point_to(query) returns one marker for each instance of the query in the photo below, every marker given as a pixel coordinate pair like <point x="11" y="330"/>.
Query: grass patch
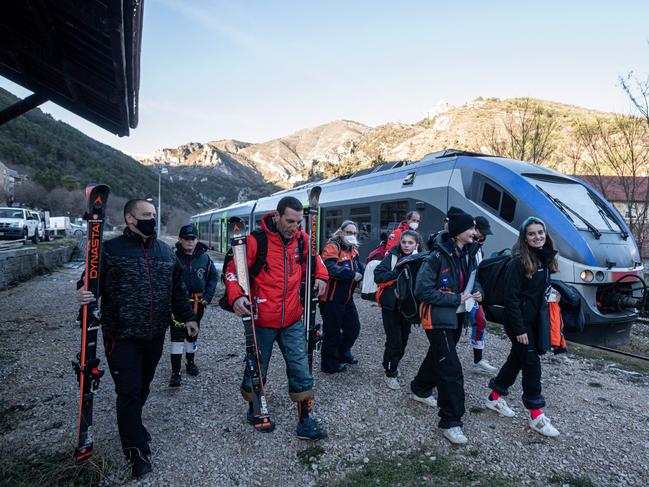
<point x="476" y="409"/>
<point x="417" y="469"/>
<point x="571" y="480"/>
<point x="310" y="455"/>
<point x="58" y="469"/>
<point x="595" y="384"/>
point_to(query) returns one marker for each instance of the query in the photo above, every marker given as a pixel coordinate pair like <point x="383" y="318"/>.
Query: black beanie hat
<point x="458" y="221"/>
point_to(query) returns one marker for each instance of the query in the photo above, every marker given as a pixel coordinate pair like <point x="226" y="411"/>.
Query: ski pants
<point x="132" y="365"/>
<point x="292" y="344"/>
<point x="525" y="359"/>
<point x="397" y="331"/>
<point x="441" y="368"/>
<point x="179" y="337"/>
<point x="341" y="327"/>
<point x="478" y="327"/>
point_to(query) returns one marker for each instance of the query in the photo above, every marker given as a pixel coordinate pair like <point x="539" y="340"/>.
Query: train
<point x="597" y="253"/>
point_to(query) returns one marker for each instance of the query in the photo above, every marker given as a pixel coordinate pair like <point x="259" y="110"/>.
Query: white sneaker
<point x="455" y="435"/>
<point x="500" y="406"/>
<point x="392" y="383"/>
<point x="428" y="401"/>
<point x="543" y="426"/>
<point x="483" y="367"/>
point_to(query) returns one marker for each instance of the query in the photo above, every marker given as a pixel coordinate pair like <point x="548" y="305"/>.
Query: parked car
<point x="17" y="223"/>
<point x="78" y="230"/>
<point x="61" y="226"/>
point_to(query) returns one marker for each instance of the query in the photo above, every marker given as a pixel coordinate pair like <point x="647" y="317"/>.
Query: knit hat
<point x="458" y="221"/>
<point x="482" y="224"/>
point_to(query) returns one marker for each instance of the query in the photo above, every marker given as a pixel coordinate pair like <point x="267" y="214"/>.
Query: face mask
<point x="146" y="227"/>
<point x="351" y="240"/>
<point x="414" y="225"/>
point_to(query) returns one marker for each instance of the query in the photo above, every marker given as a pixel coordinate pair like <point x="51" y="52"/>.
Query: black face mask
<point x="146" y="227"/>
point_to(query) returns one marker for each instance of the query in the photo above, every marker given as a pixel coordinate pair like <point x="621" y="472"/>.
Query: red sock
<point x="535" y="413"/>
<point x="494" y="396"/>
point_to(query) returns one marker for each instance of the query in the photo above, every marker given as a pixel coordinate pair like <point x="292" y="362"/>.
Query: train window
<point x="363" y="218"/>
<point x="333" y="220"/>
<point x="394" y="211"/>
<point x="491" y="196"/>
<point x="508" y="208"/>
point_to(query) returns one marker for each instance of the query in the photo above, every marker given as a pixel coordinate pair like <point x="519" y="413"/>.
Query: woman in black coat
<point x="397" y="329"/>
<point x="527" y="279"/>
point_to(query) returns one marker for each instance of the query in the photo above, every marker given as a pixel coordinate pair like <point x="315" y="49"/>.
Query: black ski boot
<point x="141" y="465"/>
<point x="264" y="426"/>
<point x="176" y="380"/>
<point x="192" y="369"/>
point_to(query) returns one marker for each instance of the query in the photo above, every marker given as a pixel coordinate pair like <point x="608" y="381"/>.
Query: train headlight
<point x="599" y="275"/>
<point x="587" y="276"/>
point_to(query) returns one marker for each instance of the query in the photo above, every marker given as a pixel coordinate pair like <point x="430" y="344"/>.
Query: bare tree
<point x="638" y="92"/>
<point x="620" y="149"/>
<point x="527" y="133"/>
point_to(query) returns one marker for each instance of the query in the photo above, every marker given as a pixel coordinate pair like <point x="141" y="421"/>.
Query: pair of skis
<point x="237" y="231"/>
<point x="87" y="364"/>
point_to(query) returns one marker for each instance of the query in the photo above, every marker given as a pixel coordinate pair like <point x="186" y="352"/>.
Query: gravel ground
<point x="200" y="436"/>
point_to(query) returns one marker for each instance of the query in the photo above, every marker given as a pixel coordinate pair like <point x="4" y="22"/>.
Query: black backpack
<point x="257" y="266"/>
<point x="404" y="289"/>
<point x="491" y="275"/>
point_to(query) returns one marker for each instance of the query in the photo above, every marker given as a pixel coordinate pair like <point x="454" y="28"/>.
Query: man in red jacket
<point x="276" y="297"/>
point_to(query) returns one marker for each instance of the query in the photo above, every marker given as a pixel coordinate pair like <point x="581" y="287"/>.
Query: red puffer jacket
<point x="276" y="289"/>
<point x="395" y="236"/>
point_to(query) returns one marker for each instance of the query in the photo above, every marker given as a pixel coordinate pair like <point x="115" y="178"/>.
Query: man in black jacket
<point x="141" y="286"/>
<point x="200" y="277"/>
<point x="443" y="283"/>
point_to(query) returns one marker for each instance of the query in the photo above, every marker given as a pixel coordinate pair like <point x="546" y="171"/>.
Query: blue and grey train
<point x="598" y="255"/>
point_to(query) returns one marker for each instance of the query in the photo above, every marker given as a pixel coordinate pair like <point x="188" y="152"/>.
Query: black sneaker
<point x="192" y="369"/>
<point x="176" y="380"/>
<point x="141" y="464"/>
<point x="348" y="359"/>
<point x="338" y="369"/>
<point x="310" y="429"/>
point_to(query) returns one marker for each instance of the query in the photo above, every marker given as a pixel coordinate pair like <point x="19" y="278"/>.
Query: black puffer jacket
<point x="385" y="273"/>
<point x="524" y="297"/>
<point x="141" y="286"/>
<point x="438" y="281"/>
<point x="199" y="273"/>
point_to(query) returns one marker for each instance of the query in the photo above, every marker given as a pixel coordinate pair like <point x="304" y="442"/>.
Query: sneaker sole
<point x="422" y="401"/>
<point x="308" y="438"/>
<point x="500" y="413"/>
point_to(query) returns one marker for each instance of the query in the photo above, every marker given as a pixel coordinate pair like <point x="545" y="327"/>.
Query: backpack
<point x="404" y="289"/>
<point x="257" y="266"/>
<point x="491" y="275"/>
<point x="377" y="254"/>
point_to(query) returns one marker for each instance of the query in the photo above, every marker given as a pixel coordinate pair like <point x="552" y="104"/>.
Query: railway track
<point x="620" y="352"/>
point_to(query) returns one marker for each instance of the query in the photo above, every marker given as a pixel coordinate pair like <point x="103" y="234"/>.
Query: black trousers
<point x="397" y="331"/>
<point x="525" y="359"/>
<point x="441" y="368"/>
<point x="132" y="365"/>
<point x="341" y="327"/>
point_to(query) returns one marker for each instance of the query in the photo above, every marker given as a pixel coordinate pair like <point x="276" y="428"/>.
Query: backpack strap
<point x="262" y="252"/>
<point x="394" y="262"/>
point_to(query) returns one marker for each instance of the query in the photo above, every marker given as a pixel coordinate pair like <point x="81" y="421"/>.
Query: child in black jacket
<point x="527" y="281"/>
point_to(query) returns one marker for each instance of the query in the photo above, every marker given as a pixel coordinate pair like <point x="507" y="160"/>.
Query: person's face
<point x="445" y="223"/>
<point x="188" y="244"/>
<point x="288" y="223"/>
<point x="350" y="231"/>
<point x="142" y="211"/>
<point x="466" y="236"/>
<point x="408" y="245"/>
<point x="415" y="218"/>
<point x="479" y="237"/>
<point x="535" y="235"/>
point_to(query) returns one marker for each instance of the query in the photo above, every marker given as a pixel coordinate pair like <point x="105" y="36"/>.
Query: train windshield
<point x="581" y="206"/>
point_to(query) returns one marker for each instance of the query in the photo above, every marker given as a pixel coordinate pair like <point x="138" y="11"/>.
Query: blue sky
<point x="258" y="70"/>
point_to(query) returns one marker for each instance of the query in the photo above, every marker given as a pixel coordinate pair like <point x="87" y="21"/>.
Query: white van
<point x="19" y="223"/>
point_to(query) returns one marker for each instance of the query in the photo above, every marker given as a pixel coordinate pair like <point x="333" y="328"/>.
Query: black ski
<point x="260" y="414"/>
<point x="87" y="364"/>
<point x="311" y="217"/>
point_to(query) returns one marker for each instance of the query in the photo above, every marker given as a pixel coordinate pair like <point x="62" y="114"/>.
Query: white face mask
<point x="414" y="225"/>
<point x="351" y="240"/>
